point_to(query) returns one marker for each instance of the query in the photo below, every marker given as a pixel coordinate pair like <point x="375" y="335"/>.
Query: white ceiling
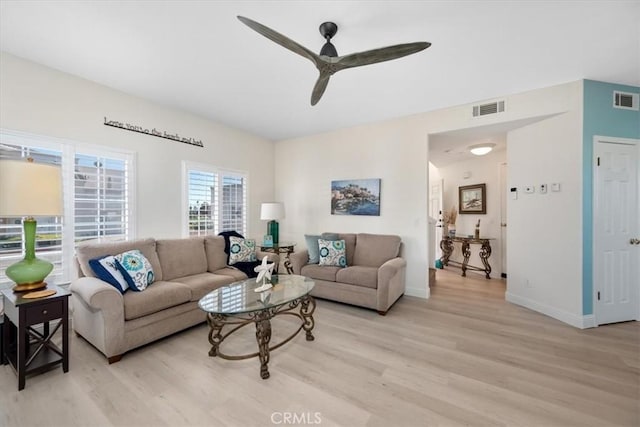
<point x="196" y="56"/>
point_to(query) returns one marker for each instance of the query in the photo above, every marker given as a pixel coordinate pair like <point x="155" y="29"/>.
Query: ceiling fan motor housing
<point x="328" y="30"/>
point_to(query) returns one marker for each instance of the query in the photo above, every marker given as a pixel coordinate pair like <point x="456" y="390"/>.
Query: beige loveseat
<point x="374" y="277"/>
<point x="185" y="270"/>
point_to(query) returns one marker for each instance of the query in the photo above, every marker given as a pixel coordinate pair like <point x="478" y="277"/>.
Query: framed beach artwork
<point x="472" y="199"/>
<point x="355" y="197"/>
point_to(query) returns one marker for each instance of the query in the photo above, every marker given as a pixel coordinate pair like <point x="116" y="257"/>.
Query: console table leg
<point x="263" y="336"/>
<point x="485" y="253"/>
<point x="447" y="248"/>
<point x="466" y="252"/>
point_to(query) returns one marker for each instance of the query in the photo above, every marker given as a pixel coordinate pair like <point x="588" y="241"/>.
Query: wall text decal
<point x="153" y="132"/>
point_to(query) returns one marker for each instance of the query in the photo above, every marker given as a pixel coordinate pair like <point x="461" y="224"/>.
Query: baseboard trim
<point x="581" y="322"/>
<point x="417" y="292"/>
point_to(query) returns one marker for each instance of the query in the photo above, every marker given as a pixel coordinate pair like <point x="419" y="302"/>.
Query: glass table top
<point x="240" y="297"/>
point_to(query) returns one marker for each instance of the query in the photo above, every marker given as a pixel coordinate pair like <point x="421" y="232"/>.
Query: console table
<point x="446" y="244"/>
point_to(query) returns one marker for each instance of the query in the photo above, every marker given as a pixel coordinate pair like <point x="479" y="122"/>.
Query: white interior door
<point x="503" y="216"/>
<point x="616" y="226"/>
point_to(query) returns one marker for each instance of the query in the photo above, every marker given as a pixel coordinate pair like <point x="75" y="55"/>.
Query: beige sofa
<point x="185" y="270"/>
<point x="374" y="277"/>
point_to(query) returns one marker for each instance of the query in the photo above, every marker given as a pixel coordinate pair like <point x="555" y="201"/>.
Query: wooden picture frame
<point x="472" y="199"/>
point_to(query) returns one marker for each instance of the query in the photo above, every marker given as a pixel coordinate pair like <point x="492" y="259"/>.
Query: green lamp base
<point x="29" y="274"/>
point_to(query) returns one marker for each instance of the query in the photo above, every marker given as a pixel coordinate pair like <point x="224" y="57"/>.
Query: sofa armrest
<point x="98" y="315"/>
<point x="299" y="260"/>
<point x="391" y="282"/>
<point x="97" y="294"/>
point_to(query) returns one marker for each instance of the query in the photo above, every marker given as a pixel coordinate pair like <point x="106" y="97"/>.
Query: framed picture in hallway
<point x="472" y="199"/>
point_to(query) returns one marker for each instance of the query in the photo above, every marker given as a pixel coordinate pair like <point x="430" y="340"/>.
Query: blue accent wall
<point x="599" y="118"/>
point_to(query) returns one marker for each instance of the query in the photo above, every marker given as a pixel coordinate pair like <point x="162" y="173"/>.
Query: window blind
<point x="216" y="200"/>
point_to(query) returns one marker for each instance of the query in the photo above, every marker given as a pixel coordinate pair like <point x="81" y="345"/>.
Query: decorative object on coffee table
<point x="29" y="189"/>
<point x="272" y="212"/>
<point x="264" y="273"/>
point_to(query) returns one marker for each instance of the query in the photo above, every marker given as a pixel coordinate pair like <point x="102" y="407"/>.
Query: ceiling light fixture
<point x="481" y="149"/>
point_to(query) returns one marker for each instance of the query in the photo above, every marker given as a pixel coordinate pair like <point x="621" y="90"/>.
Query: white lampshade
<point x="269" y="211"/>
<point x="481" y="149"/>
<point x="30" y="189"/>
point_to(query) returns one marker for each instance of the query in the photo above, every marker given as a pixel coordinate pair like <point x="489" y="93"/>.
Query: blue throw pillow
<point x="330" y="236"/>
<point x="136" y="269"/>
<point x="107" y="269"/>
<point x="313" y="248"/>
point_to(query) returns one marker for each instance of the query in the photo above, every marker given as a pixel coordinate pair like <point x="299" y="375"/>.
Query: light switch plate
<point x="542" y="189"/>
<point x="555" y="186"/>
<point x="528" y="189"/>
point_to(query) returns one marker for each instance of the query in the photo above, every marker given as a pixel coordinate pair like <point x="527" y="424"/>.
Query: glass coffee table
<point x="236" y="305"/>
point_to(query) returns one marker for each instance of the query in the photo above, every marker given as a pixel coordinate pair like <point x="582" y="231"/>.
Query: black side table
<point x="32" y="350"/>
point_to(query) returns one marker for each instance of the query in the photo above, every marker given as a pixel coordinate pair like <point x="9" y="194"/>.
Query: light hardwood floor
<point x="463" y="357"/>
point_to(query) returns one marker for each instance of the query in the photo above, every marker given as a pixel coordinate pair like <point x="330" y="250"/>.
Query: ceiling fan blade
<point x="320" y="87"/>
<point x="283" y="41"/>
<point x="379" y="55"/>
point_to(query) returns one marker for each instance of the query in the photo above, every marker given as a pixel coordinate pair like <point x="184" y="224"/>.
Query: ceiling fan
<point x="328" y="62"/>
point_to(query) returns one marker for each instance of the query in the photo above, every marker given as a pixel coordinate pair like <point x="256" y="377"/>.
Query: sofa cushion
<point x="349" y="246"/>
<point x="332" y="253"/>
<point x="313" y="248"/>
<point x="359" y="276"/>
<point x="232" y="272"/>
<point x="320" y="272"/>
<point x="203" y="283"/>
<point x="214" y="250"/>
<point x="92" y="250"/>
<point x="155" y="298"/>
<point x="181" y="257"/>
<point x="136" y="269"/>
<point x="373" y="250"/>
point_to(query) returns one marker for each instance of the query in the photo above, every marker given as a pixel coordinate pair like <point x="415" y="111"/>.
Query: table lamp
<point x="272" y="212"/>
<point x="29" y="189"/>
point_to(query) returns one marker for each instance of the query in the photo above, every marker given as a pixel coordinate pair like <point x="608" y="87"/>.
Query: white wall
<point x="394" y="151"/>
<point x="545" y="230"/>
<point x="484" y="169"/>
<point x="43" y="101"/>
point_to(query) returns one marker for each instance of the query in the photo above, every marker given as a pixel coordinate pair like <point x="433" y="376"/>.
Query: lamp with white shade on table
<point x="272" y="212"/>
<point x="27" y="190"/>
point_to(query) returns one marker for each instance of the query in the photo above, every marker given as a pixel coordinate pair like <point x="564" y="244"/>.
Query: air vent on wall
<point x="485" y="109"/>
<point x="625" y="100"/>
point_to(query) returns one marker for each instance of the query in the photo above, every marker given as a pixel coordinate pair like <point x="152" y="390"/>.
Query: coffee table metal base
<point x="262" y="320"/>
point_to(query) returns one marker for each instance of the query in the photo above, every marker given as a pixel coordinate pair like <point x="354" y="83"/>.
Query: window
<point x="97" y="192"/>
<point x="48" y="230"/>
<point x="216" y="200"/>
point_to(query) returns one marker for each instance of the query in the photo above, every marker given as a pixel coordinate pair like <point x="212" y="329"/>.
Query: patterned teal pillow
<point x="241" y="250"/>
<point x="136" y="269"/>
<point x="332" y="252"/>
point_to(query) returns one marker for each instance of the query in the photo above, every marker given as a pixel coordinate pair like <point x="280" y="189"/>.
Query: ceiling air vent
<point x="486" y="109"/>
<point x="625" y="100"/>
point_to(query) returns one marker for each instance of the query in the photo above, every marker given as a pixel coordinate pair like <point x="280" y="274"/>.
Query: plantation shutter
<point x="234" y="197"/>
<point x="202" y="202"/>
<point x="101" y="204"/>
